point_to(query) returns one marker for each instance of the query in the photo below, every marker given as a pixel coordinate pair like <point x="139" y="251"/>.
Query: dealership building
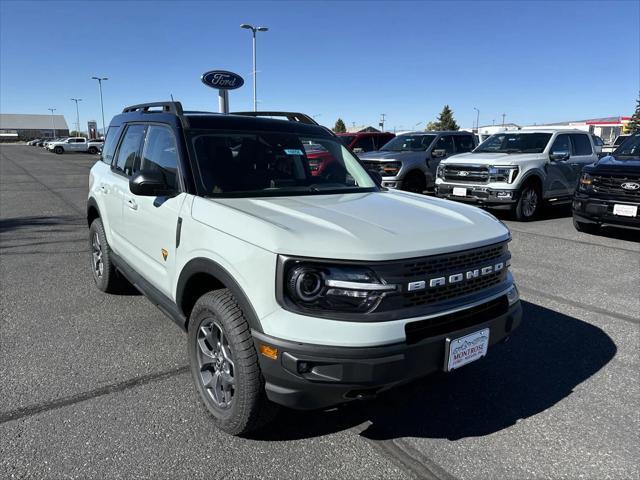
<point x="19" y="126"/>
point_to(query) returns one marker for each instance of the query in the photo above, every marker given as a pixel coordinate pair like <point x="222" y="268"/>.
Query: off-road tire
<point x="107" y="278"/>
<point x="249" y="408"/>
<point x="59" y="150"/>
<point x="592" y="228"/>
<point x="524" y="211"/>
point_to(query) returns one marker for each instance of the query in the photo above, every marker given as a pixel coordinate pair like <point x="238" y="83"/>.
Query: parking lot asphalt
<point x="96" y="386"/>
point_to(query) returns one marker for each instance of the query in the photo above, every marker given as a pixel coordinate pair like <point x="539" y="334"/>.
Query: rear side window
<point x="129" y="151"/>
<point x="110" y="143"/>
<point x="160" y="154"/>
<point x="363" y="144"/>
<point x="581" y="144"/>
<point x="464" y="143"/>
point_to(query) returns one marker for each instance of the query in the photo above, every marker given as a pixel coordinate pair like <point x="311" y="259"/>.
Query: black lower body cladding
<point x="312" y="376"/>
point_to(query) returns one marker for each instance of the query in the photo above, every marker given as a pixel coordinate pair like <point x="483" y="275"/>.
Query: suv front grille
<point x="376" y="166"/>
<point x="612" y="185"/>
<point x="423" y="269"/>
<point x="466" y="173"/>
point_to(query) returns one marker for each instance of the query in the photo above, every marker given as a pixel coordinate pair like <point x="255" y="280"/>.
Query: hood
<point x="613" y="165"/>
<point x="492" y="158"/>
<point x="388" y="156"/>
<point x="368" y="226"/>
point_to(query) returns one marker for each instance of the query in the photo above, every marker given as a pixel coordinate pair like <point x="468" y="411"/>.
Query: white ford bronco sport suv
<point x="299" y="290"/>
<point x="518" y="170"/>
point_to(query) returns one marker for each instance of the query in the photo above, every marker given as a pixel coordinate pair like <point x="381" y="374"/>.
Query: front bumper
<point x="589" y="209"/>
<point x="313" y="376"/>
<point x="479" y="194"/>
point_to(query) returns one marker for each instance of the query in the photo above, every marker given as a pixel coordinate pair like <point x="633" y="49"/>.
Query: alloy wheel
<point x="215" y="363"/>
<point x="96" y="256"/>
<point x="529" y="202"/>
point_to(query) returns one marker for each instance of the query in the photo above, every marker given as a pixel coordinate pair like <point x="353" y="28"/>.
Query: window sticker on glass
<point x="293" y="151"/>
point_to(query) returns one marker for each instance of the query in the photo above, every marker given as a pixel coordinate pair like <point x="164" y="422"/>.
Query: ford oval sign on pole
<point x="223" y="81"/>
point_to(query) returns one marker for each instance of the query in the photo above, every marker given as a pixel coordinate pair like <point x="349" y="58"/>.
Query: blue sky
<point x="535" y="61"/>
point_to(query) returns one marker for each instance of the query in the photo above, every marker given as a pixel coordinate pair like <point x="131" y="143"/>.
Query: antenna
<point x="171" y="94"/>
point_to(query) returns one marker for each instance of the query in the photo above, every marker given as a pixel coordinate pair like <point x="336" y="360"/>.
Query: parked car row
<point x="69" y="144"/>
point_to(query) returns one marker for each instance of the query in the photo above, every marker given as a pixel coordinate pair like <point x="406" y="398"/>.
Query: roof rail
<point x="291" y="116"/>
<point x="172" y="107"/>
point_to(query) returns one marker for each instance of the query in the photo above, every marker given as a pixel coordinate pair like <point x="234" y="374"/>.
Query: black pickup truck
<point x="608" y="192"/>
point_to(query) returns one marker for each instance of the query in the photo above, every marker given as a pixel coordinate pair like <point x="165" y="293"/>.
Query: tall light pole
<point x="77" y="114"/>
<point x="477" y="119"/>
<point x="381" y="124"/>
<point x="100" y="79"/>
<point x="53" y="121"/>
<point x="503" y="115"/>
<point x="253" y="31"/>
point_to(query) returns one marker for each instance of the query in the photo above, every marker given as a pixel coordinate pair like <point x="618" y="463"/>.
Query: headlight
<point x="585" y="181"/>
<point x="440" y="171"/>
<point x="506" y="174"/>
<point x="314" y="286"/>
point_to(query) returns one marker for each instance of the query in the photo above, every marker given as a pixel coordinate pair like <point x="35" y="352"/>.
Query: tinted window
<point x="515" y="143"/>
<point x="381" y="140"/>
<point x="581" y="144"/>
<point x="160" y="154"/>
<point x="597" y="141"/>
<point x="275" y="164"/>
<point x="363" y="144"/>
<point x="110" y="143"/>
<point x="561" y="144"/>
<point x="464" y="143"/>
<point x="445" y="143"/>
<point x="346" y="139"/>
<point x="129" y="151"/>
<point x="409" y="143"/>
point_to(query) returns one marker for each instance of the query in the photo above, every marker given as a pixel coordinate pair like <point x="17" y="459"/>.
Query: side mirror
<point x="559" y="155"/>
<point x="147" y="183"/>
<point x="376" y="176"/>
<point x="438" y="153"/>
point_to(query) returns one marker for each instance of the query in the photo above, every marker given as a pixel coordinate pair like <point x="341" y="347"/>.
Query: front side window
<point x="581" y="144"/>
<point x="514" y="143"/>
<point x="247" y="164"/>
<point x="561" y="144"/>
<point x="409" y="143"/>
<point x="445" y="143"/>
<point x="160" y="154"/>
<point x="464" y="143"/>
<point x="629" y="149"/>
<point x="129" y="151"/>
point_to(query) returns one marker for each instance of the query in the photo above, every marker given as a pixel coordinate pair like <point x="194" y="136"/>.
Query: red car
<point x="320" y="159"/>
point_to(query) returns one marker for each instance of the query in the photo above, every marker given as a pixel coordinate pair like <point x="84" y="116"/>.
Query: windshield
<point x="243" y="164"/>
<point x="346" y="139"/>
<point x="629" y="149"/>
<point x="409" y="143"/>
<point x="620" y="139"/>
<point x="514" y="143"/>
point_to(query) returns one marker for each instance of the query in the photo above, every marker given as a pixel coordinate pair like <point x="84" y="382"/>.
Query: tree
<point x="432" y="127"/>
<point x="445" y="120"/>
<point x="339" y="126"/>
<point x="634" y="123"/>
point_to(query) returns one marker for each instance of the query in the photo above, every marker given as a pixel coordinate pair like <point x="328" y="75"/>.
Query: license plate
<point x="625" y="210"/>
<point x="467" y="349"/>
<point x="459" y="191"/>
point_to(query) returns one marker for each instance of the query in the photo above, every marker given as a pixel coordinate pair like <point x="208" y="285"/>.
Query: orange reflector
<point x="269" y="352"/>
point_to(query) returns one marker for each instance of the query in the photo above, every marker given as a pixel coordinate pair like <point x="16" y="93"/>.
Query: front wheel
<point x="224" y="365"/>
<point x="414" y="182"/>
<point x="58" y="150"/>
<point x="528" y="205"/>
<point x="104" y="271"/>
<point x="93" y="150"/>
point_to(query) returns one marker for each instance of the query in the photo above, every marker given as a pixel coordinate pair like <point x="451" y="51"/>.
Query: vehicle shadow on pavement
<point x="34" y="222"/>
<point x="546" y="359"/>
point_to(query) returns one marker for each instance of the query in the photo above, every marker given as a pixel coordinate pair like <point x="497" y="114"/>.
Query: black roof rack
<point x="291" y="116"/>
<point x="171" y="107"/>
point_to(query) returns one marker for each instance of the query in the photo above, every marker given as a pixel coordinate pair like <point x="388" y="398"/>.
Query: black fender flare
<point x="91" y="203"/>
<point x="205" y="265"/>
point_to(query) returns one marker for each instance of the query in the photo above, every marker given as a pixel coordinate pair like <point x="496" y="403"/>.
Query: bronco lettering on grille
<point x="457" y="277"/>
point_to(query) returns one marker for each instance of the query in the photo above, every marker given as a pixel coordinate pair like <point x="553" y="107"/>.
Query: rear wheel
<point x="224" y="365"/>
<point x="584" y="227"/>
<point x="58" y="150"/>
<point x="414" y="182"/>
<point x="529" y="203"/>
<point x="104" y="272"/>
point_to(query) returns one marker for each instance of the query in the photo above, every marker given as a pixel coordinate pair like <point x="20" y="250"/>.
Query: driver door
<point x="560" y="172"/>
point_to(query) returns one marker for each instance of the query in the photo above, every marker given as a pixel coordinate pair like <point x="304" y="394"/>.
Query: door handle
<point x="131" y="203"/>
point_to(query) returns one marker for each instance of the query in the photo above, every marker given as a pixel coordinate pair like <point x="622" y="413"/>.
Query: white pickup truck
<point x="75" y="144"/>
